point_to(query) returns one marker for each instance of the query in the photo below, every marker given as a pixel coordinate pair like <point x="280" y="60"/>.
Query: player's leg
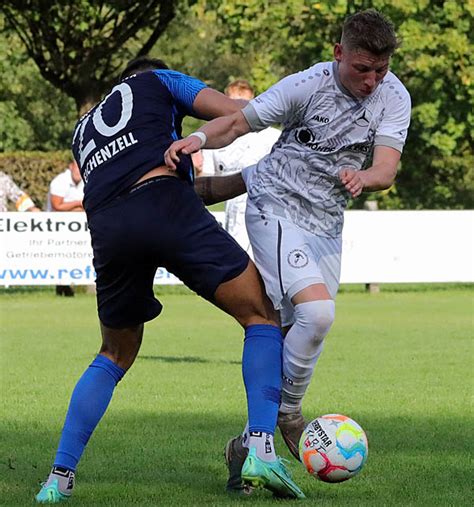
<point x="312" y="314"/>
<point x="291" y="268"/>
<point x="125" y="300"/>
<point x="212" y="263"/>
<point x="89" y="401"/>
<point x="244" y="298"/>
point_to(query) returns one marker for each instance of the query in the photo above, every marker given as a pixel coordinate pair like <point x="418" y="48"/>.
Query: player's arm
<point x="210" y="104"/>
<point x="214" y="189"/>
<point x="389" y="140"/>
<point x="379" y="176"/>
<point x="276" y="105"/>
<point x="215" y="134"/>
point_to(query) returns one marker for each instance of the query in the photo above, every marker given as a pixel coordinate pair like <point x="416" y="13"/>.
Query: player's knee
<point x="122" y="345"/>
<point x="258" y="317"/>
<point x="316" y="317"/>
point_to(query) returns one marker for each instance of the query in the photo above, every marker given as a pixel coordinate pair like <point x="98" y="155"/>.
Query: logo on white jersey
<point x="297" y="259"/>
<point x="321" y="119"/>
<point x="306" y="137"/>
<point x="364" y="118"/>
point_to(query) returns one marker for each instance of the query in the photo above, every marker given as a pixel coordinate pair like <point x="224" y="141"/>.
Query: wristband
<point x="201" y="136"/>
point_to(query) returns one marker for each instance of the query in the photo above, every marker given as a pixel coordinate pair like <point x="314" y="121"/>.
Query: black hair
<point x="141" y="64"/>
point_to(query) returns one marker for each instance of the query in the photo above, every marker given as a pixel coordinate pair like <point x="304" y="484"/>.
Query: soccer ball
<point x="333" y="448"/>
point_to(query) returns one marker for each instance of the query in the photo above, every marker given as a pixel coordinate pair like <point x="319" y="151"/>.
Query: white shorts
<point x="291" y="259"/>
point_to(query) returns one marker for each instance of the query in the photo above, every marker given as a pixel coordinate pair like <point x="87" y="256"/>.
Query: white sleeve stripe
<point x="391" y="142"/>
<point x="252" y="118"/>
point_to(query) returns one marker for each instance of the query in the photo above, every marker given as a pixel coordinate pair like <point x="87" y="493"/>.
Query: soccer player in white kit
<point x="344" y="126"/>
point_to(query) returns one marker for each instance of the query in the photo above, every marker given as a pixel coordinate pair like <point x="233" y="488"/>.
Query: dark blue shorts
<point x="159" y="223"/>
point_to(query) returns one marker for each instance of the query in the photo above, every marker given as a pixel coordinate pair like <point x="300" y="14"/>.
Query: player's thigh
<point x="245" y="299"/>
<point x="328" y="252"/>
<point x="201" y="252"/>
<point x="210" y="262"/>
<point x="124" y="275"/>
<point x="282" y="254"/>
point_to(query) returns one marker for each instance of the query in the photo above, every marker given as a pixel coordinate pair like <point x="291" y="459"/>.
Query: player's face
<point x="360" y="71"/>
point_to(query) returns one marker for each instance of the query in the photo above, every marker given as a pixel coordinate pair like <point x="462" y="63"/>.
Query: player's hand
<point x="188" y="145"/>
<point x="352" y="180"/>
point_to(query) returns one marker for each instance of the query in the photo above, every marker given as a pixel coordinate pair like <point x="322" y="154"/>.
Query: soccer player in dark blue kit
<point x="141" y="216"/>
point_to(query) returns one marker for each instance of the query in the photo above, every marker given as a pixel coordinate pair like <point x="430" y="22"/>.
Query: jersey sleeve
<point x="393" y="128"/>
<point x="183" y="88"/>
<point x="282" y="102"/>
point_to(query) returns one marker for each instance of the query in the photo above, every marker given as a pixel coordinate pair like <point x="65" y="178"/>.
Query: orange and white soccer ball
<point x="333" y="448"/>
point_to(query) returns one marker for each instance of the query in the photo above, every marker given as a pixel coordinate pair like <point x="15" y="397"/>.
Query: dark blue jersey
<point x="127" y="133"/>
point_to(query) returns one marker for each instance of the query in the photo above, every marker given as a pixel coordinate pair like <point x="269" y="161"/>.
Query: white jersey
<point x="325" y="129"/>
<point x="64" y="186"/>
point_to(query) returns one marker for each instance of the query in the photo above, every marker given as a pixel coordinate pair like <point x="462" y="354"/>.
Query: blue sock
<point x="89" y="401"/>
<point x="262" y="370"/>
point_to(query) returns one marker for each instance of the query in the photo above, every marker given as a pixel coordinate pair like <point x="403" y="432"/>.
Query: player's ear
<point x="337" y="52"/>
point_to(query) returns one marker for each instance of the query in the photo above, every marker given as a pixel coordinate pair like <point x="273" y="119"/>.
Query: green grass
<point x="398" y="362"/>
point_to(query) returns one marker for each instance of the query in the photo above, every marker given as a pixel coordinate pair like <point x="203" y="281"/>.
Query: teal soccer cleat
<point x="58" y="487"/>
<point x="271" y="475"/>
<point x="50" y="493"/>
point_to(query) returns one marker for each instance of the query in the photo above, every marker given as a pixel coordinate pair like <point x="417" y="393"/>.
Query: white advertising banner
<point x="378" y="247"/>
<point x="52" y="249"/>
<point x="408" y="246"/>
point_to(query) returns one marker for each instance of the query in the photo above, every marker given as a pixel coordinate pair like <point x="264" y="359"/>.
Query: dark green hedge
<point x="33" y="171"/>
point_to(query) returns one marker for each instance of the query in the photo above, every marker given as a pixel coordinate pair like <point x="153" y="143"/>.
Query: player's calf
<point x="301" y="350"/>
<point x="302" y="347"/>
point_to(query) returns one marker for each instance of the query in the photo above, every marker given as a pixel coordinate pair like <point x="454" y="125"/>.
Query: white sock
<point x="263" y="443"/>
<point x="301" y="350"/>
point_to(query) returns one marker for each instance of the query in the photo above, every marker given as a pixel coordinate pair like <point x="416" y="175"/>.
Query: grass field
<point x="398" y="362"/>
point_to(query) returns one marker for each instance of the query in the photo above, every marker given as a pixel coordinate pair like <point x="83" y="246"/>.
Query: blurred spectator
<point x="10" y="191"/>
<point x="66" y="192"/>
<point x="245" y="151"/>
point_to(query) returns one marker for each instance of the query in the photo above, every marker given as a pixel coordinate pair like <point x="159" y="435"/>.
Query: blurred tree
<point x="79" y="47"/>
<point x="35" y="115"/>
<point x="261" y="40"/>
